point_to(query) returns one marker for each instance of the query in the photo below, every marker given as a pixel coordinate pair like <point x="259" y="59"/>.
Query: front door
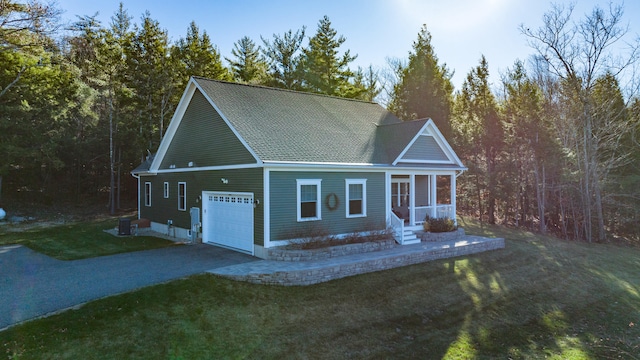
<point x="400" y="195"/>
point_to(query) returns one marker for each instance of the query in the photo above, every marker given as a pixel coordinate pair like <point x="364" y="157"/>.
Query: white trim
<point x="270" y="162"/>
<point x="412" y="199"/>
<point x="139" y="210"/>
<point x="324" y="167"/>
<point x="185" y="195"/>
<point x="433" y="130"/>
<point x="266" y="207"/>
<point x="406" y="148"/>
<point x="207" y="168"/>
<point x="433" y="199"/>
<point x="318" y="184"/>
<point x="409" y="161"/>
<point x="444" y="143"/>
<point x="147" y="204"/>
<point x="387" y="194"/>
<point x="165" y="189"/>
<point x="453" y="199"/>
<point x="362" y="182"/>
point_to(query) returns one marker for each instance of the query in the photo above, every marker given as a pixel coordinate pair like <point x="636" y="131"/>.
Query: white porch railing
<point x="441" y="211"/>
<point x="397" y="225"/>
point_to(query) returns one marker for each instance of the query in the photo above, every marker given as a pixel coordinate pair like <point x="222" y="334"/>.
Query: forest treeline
<point x="552" y="148"/>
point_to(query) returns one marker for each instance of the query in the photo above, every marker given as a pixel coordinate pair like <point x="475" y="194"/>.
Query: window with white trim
<point x="147" y="194"/>
<point x="308" y="199"/>
<point x="356" y="195"/>
<point x="166" y="190"/>
<point x="182" y="196"/>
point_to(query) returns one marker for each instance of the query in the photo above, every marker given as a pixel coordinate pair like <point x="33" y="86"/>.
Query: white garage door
<point x="227" y="220"/>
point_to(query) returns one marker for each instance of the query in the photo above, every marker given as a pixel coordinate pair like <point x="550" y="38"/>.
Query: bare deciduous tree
<point x="579" y="53"/>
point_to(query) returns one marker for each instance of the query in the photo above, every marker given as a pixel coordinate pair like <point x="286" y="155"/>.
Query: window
<point x="356" y="195"/>
<point x="308" y="199"/>
<point x="400" y="192"/>
<point x="166" y="190"/>
<point x="182" y="196"/>
<point x="147" y="194"/>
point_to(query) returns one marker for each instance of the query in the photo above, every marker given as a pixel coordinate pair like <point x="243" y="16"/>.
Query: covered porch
<point x="415" y="195"/>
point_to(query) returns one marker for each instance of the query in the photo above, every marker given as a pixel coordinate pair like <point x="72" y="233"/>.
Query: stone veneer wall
<point x="444" y="236"/>
<point x="318" y="274"/>
<point x="280" y="254"/>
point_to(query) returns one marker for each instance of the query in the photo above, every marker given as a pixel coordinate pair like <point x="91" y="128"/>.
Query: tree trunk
<point x="111" y="159"/>
<point x="602" y="236"/>
<point x="586" y="190"/>
<point x="563" y="216"/>
<point x="491" y="199"/>
<point x="119" y="168"/>
<point x="540" y="197"/>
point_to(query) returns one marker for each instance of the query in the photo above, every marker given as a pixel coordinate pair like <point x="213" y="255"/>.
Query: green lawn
<point x="79" y="240"/>
<point x="537" y="298"/>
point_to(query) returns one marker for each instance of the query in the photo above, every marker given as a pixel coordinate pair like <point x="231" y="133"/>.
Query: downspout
<point x="138" y="179"/>
<point x="454" y="195"/>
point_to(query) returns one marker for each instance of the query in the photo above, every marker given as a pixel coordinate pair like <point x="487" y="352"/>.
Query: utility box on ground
<point x="195" y="224"/>
<point x="124" y="227"/>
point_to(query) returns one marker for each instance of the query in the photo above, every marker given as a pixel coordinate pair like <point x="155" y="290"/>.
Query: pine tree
<point x="323" y="71"/>
<point x="365" y="84"/>
<point x="247" y="64"/>
<point x="151" y="77"/>
<point x="284" y="55"/>
<point x="195" y="55"/>
<point x="424" y="89"/>
<point x="479" y="126"/>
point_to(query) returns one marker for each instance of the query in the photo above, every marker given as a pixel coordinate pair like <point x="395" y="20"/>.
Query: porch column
<point x="387" y="195"/>
<point x="412" y="199"/>
<point x="433" y="201"/>
<point x="453" y="198"/>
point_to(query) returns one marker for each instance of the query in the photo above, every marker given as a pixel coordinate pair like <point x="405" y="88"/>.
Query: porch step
<point x="410" y="237"/>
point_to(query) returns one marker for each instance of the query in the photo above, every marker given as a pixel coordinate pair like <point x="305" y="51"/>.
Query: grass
<point x="78" y="240"/>
<point x="538" y="298"/>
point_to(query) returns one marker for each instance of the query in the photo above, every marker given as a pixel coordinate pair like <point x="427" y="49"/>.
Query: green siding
<point x="204" y="139"/>
<point x="425" y="148"/>
<point x="283" y="204"/>
<point x="240" y="180"/>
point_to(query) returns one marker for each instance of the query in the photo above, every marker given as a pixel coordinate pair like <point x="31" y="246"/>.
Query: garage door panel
<point x="228" y="220"/>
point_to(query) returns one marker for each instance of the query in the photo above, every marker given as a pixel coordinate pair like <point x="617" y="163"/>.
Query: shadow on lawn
<point x="546" y="297"/>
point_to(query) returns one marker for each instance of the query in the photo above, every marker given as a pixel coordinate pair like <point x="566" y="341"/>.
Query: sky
<point x="376" y="30"/>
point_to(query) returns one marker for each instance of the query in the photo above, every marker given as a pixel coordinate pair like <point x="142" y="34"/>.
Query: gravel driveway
<point x="33" y="285"/>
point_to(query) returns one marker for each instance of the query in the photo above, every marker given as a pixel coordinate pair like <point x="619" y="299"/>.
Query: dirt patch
<point x="10" y="227"/>
<point x="30" y="216"/>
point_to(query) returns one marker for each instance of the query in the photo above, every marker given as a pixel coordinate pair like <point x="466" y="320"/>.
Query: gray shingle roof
<point x="282" y="125"/>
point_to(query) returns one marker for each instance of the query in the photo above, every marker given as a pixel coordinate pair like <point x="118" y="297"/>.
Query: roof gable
<point x="260" y="125"/>
<point x="428" y="146"/>
<point x="289" y="126"/>
<point x="203" y="139"/>
<point x="195" y="112"/>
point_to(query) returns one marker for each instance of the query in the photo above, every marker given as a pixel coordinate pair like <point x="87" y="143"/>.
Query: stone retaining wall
<point x="319" y="274"/>
<point x="444" y="236"/>
<point x="280" y="254"/>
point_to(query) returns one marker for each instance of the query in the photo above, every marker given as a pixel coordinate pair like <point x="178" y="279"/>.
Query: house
<point x="257" y="167"/>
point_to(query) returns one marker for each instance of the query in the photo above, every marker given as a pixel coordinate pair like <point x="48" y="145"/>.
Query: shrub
<point x="316" y="237"/>
<point x="438" y="225"/>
